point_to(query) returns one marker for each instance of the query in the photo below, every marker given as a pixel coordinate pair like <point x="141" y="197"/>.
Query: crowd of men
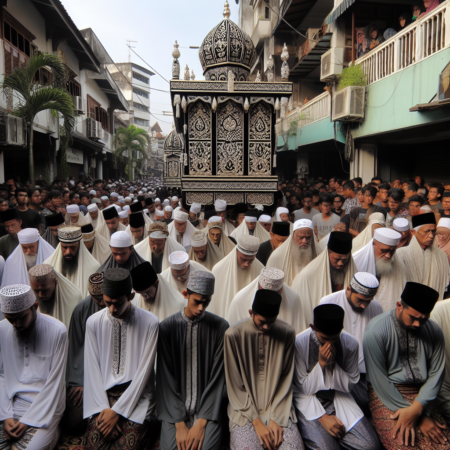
<point x="132" y="319"/>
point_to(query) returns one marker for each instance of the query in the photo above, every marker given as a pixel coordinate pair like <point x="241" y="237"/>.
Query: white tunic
<point x="354" y="323"/>
<point x="185" y="238"/>
<point x="116" y="352"/>
<point x="34" y="370"/>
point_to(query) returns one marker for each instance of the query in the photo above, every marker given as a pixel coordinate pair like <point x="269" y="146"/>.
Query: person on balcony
<point x="429" y="6"/>
<point x="373" y="38"/>
<point x="404" y="20"/>
<point x="416" y="11"/>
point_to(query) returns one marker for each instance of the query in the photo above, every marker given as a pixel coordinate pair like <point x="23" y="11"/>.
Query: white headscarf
<point x="260" y="232"/>
<point x="173" y="233"/>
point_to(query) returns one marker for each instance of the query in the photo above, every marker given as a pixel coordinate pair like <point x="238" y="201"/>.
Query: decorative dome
<point x="227" y="44"/>
<point x="174" y="142"/>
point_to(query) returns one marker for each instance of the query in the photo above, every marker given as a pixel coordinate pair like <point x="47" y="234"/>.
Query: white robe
<point x="226" y="245"/>
<point x="16" y="271"/>
<point x="213" y="255"/>
<point x="144" y="236"/>
<point x="392" y="285"/>
<point x="228" y="227"/>
<point x="100" y="220"/>
<point x="116" y="352"/>
<point x="366" y="236"/>
<point x="291" y="309"/>
<point x="82" y="220"/>
<point x="178" y="285"/>
<point x="34" y="372"/>
<point x="354" y="323"/>
<point x="306" y="385"/>
<point x="186" y="239"/>
<point x="144" y="251"/>
<point x="260" y="232"/>
<point x="168" y="300"/>
<point x="230" y="279"/>
<point x="101" y="251"/>
<point x="104" y="230"/>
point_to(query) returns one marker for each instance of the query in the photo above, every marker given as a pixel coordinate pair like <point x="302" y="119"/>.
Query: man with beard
<point x="112" y="223"/>
<point x="425" y="263"/>
<point x="97" y="245"/>
<point x="72" y="259"/>
<point x="74" y="217"/>
<point x="13" y="224"/>
<point x="221" y="211"/>
<point x="33" y="352"/>
<point x="154" y="293"/>
<point x="278" y="235"/>
<point x="168" y="214"/>
<point x="53" y="222"/>
<point x="203" y="251"/>
<point x="73" y="418"/>
<point x="123" y="255"/>
<point x="217" y="236"/>
<point x="404" y="353"/>
<point x="403" y="226"/>
<point x="181" y="229"/>
<point x="31" y="251"/>
<point x="296" y="252"/>
<point x="330" y="272"/>
<point x="380" y="258"/>
<point x="251" y="226"/>
<point x="360" y="306"/>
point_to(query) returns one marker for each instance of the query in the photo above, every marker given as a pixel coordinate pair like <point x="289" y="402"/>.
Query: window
<point x="104" y="119"/>
<point x="267" y="13"/>
<point x="73" y="88"/>
<point x="141" y="92"/>
<point x="141" y="122"/>
<point x="140" y="107"/>
<point x="140" y="77"/>
<point x="43" y="77"/>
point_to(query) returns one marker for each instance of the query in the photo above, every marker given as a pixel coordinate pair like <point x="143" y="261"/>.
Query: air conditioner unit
<point x="348" y="104"/>
<point x="12" y="131"/>
<point x="332" y="64"/>
<point x="93" y="129"/>
<point x="78" y="104"/>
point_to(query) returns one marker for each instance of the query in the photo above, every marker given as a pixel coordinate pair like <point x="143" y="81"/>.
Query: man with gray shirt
<point x="324" y="223"/>
<point x="307" y="212"/>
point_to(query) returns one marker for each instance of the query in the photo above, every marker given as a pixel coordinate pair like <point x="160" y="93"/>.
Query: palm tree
<point x="34" y="97"/>
<point x="130" y="140"/>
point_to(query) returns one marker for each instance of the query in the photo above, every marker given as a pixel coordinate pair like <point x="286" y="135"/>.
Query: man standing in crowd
<point x="13" y="224"/>
<point x="30" y="218"/>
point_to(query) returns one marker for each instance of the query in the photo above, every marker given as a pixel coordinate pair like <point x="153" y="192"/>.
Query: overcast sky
<point x="155" y="24"/>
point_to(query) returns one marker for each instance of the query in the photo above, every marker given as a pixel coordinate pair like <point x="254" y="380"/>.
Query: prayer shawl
<point x="291" y="308"/>
<point x="355" y="323"/>
<point x="99" y="221"/>
<point x="87" y="265"/>
<point x="365" y="236"/>
<point x="145" y="252"/>
<point x="133" y="261"/>
<point x="144" y="235"/>
<point x="101" y="250"/>
<point x="230" y="279"/>
<point x="391" y="285"/>
<point x="228" y="227"/>
<point x="49" y="237"/>
<point x="314" y="282"/>
<point x="444" y="247"/>
<point x="77" y="332"/>
<point x="117" y="352"/>
<point x="429" y="267"/>
<point x="322" y="244"/>
<point x="180" y="286"/>
<point x="258" y="371"/>
<point x="104" y="230"/>
<point x="226" y="245"/>
<point x="260" y="232"/>
<point x="309" y="378"/>
<point x="168" y="300"/>
<point x="186" y="238"/>
<point x="282" y="258"/>
<point x="82" y="220"/>
<point x="16" y="271"/>
<point x="213" y="255"/>
<point x="35" y="376"/>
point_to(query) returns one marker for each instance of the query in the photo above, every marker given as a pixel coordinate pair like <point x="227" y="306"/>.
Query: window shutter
<point x="8" y="59"/>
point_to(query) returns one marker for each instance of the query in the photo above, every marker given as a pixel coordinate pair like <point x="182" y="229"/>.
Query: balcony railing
<point x="418" y="41"/>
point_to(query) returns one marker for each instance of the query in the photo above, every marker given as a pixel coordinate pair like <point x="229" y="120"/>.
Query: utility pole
<point x="129" y="41"/>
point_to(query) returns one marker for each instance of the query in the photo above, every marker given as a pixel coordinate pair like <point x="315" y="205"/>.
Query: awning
<point x="339" y="10"/>
<point x="432" y="106"/>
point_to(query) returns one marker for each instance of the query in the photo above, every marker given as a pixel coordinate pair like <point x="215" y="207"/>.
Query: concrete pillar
<point x="86" y="164"/>
<point x="302" y="161"/>
<point x="99" y="170"/>
<point x="2" y="168"/>
<point x="365" y="162"/>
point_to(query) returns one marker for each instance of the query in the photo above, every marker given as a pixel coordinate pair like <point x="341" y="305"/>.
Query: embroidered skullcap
<point x="419" y="296"/>
<point x="195" y="208"/>
<point x="251" y="216"/>
<point x="143" y="276"/>
<point x="174" y="198"/>
<point x="159" y="213"/>
<point x="215" y="222"/>
<point x="95" y="284"/>
<point x="92" y="207"/>
<point x="168" y="208"/>
<point x="178" y="260"/>
<point x="117" y="282"/>
<point x="198" y="239"/>
<point x="365" y="284"/>
<point x="248" y="245"/>
<point x="73" y="209"/>
<point x="123" y="214"/>
<point x="281" y="228"/>
<point x="423" y="219"/>
<point x="120" y="239"/>
<point x="329" y="318"/>
<point x="166" y="202"/>
<point x="303" y="223"/>
<point x="10" y="214"/>
<point x="28" y="236"/>
<point x="157" y="200"/>
<point x="180" y="215"/>
<point x="340" y="242"/>
<point x="136" y="207"/>
<point x="104" y="198"/>
<point x="41" y="273"/>
<point x="264" y="218"/>
<point x="92" y="192"/>
<point x="88" y="232"/>
<point x="266" y="303"/>
<point x="271" y="278"/>
<point x="54" y="220"/>
<point x="159" y="226"/>
<point x="110" y="213"/>
<point x="137" y="220"/>
<point x="16" y="298"/>
<point x="387" y="236"/>
<point x="401" y="224"/>
<point x="220" y="205"/>
<point x="444" y="222"/>
<point x="202" y="282"/>
<point x="69" y="234"/>
<point x="149" y="201"/>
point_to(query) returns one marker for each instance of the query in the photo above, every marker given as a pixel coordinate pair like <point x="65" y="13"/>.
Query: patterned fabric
<point x="16" y="298"/>
<point x="384" y="426"/>
<point x="245" y="438"/>
<point x="21" y="444"/>
<point x="403" y="212"/>
<point x="349" y="204"/>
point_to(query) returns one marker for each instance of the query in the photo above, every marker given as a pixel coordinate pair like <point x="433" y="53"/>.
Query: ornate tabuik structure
<point x="228" y="122"/>
<point x="173" y="159"/>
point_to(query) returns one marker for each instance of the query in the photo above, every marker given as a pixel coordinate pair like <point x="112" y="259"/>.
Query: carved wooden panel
<point x="200" y="135"/>
<point x="260" y="140"/>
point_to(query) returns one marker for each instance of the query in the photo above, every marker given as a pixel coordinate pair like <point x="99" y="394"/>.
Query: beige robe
<point x="226" y="245"/>
<point x="366" y="236"/>
<point x="144" y="235"/>
<point x="213" y="255"/>
<point x="180" y="286"/>
<point x="104" y="230"/>
<point x="260" y="232"/>
<point x="101" y="250"/>
<point x="144" y="251"/>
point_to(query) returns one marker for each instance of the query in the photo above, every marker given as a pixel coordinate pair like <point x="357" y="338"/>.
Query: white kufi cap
<point x="196" y="208"/>
<point x="179" y="260"/>
<point x="16" y="298"/>
<point x="73" y="209"/>
<point x="120" y="239"/>
<point x="123" y="214"/>
<point x="264" y="218"/>
<point x="92" y="207"/>
<point x="444" y="222"/>
<point x="303" y="223"/>
<point x="180" y="216"/>
<point x="365" y="283"/>
<point x="401" y="224"/>
<point x="220" y="205"/>
<point x="28" y="236"/>
<point x="198" y="239"/>
<point x="387" y="236"/>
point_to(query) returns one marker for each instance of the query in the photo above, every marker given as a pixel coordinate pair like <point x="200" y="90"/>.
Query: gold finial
<point x="226" y="10"/>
